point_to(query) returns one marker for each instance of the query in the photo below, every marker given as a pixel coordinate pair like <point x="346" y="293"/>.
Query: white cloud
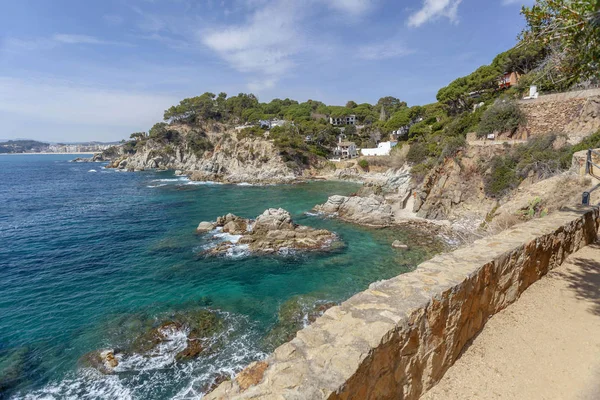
<point x="382" y="51"/>
<point x="268" y="43"/>
<point x="83" y="39"/>
<point x="435" y="9"/>
<point x="519" y="2"/>
<point x="65" y="102"/>
<point x="354" y="7"/>
<point x="17" y="44"/>
<point x="264" y="45"/>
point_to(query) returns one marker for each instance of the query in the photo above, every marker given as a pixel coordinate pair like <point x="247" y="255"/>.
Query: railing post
<point x="588" y="162"/>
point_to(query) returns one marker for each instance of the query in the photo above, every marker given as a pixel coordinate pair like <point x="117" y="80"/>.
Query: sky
<point x="73" y="70"/>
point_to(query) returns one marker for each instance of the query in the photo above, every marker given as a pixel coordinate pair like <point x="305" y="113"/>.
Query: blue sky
<point x="75" y="70"/>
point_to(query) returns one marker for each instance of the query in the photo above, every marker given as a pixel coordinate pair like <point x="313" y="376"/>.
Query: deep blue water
<point x="83" y="255"/>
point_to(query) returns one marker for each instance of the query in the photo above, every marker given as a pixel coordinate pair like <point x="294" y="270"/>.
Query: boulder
<point x="102" y="360"/>
<point x="274" y="219"/>
<point x="399" y="245"/>
<point x="205" y="226"/>
<point x="372" y="210"/>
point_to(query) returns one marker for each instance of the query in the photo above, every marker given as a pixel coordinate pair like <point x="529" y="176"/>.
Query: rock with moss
<point x="295" y="314"/>
<point x="12" y="369"/>
<point x="200" y="327"/>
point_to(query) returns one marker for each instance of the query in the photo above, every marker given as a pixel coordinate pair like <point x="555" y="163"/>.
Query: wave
<point x="158" y="185"/>
<point x="158" y="375"/>
<point x="180" y="179"/>
<point x="204" y="183"/>
<point x="92" y="170"/>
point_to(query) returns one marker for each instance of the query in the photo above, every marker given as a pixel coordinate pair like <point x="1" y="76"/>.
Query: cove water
<point x="85" y="250"/>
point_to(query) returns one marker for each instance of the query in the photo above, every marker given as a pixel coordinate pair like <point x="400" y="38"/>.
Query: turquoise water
<point x="86" y="251"/>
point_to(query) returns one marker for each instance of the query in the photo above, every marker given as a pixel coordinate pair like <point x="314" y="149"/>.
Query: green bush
<point x="502" y="178"/>
<point x="537" y="157"/>
<point x="503" y="116"/>
<point x="198" y="143"/>
<point x="453" y="145"/>
<point x="419" y="171"/>
<point x="417" y="153"/>
<point x="364" y="164"/>
<point x="251" y="132"/>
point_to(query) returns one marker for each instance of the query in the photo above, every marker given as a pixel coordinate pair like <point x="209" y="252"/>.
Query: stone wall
<point x="576" y="114"/>
<point x="397" y="339"/>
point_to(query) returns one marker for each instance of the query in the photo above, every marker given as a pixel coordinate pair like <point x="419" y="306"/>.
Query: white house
<point x="268" y="124"/>
<point x="382" y="149"/>
<point x="345" y="149"/>
<point x="346" y="120"/>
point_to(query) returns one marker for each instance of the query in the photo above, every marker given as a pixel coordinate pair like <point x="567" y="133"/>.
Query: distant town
<point x="25" y="146"/>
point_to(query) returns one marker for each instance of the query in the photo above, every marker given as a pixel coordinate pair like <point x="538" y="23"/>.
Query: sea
<point x="90" y="257"/>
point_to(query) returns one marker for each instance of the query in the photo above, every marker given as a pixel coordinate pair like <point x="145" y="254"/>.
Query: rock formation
<point x="212" y="154"/>
<point x="197" y="328"/>
<point x="370" y="211"/>
<point x="272" y="231"/>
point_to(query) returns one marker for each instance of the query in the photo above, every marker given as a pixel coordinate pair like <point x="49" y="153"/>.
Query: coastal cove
<point x="91" y="255"/>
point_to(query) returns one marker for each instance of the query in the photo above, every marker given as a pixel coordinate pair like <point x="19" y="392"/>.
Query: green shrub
<point x="503" y="116"/>
<point x="364" y="164"/>
<point x="198" y="143"/>
<point x="417" y="153"/>
<point x="453" y="145"/>
<point x="537" y="157"/>
<point x="250" y="132"/>
<point x="502" y="178"/>
<point x="419" y="171"/>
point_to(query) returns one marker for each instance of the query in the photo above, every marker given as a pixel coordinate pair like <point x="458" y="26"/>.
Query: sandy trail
<point x="544" y="346"/>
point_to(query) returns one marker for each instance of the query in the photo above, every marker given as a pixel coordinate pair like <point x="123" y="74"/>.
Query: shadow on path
<point x="585" y="280"/>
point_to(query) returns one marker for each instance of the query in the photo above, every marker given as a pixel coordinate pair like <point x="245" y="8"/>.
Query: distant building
<point x="382" y="149"/>
<point x="346" y="120"/>
<point x="345" y="149"/>
<point x="268" y="124"/>
<point x="509" y="79"/>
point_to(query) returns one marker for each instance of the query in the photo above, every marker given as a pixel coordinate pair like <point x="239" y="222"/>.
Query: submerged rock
<point x="198" y="328"/>
<point x="295" y="314"/>
<point x="272" y="231"/>
<point x="102" y="360"/>
<point x="399" y="245"/>
<point x="12" y="369"/>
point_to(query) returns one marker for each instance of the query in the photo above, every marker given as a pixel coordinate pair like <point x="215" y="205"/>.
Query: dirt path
<point x="544" y="346"/>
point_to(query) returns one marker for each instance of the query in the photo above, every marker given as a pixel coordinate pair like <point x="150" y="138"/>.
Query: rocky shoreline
<point x="273" y="231"/>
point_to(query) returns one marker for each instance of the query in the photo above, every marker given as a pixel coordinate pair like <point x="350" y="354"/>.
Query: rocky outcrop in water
<point x="372" y="210"/>
<point x="272" y="231"/>
<point x="186" y="335"/>
<point x="103" y="361"/>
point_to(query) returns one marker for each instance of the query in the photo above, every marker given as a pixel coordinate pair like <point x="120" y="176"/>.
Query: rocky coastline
<point x="273" y="231"/>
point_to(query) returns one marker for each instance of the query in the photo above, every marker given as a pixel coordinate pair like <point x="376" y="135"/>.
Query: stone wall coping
<point x="397" y="338"/>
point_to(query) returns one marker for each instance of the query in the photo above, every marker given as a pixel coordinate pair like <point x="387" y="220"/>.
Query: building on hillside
<point x="382" y="149"/>
<point x="345" y="149"/>
<point x="509" y="79"/>
<point x="345" y="120"/>
<point x="271" y="123"/>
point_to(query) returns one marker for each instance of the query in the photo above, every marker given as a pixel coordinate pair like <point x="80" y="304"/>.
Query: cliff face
<point x="212" y="154"/>
<point x="456" y="188"/>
